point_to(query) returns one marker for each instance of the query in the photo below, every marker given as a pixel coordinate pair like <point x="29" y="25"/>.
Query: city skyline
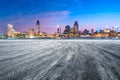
<point x="89" y="14"/>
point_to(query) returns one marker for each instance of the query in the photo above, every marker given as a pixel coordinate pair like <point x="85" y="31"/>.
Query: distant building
<point x="1" y="34"/>
<point x="76" y="27"/>
<point x="113" y="33"/>
<point x="98" y="35"/>
<point x="113" y="29"/>
<point x="67" y="29"/>
<point x="38" y="27"/>
<point x="12" y="32"/>
<point x="116" y="29"/>
<point x="72" y="30"/>
<point x="106" y="31"/>
<point x="51" y="35"/>
<point x="31" y="33"/>
<point x="118" y="34"/>
<point x="92" y="31"/>
<point x="85" y="32"/>
<point x="24" y="34"/>
<point x="58" y="29"/>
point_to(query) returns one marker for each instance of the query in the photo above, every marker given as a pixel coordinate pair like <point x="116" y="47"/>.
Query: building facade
<point x="10" y="30"/>
<point x="38" y="27"/>
<point x="76" y="27"/>
<point x="31" y="33"/>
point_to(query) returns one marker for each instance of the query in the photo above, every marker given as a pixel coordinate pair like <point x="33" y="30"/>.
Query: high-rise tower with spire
<point x="76" y="27"/>
<point x="38" y="27"/>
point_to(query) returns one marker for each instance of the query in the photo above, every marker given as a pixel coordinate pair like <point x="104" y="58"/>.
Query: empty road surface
<point x="60" y="60"/>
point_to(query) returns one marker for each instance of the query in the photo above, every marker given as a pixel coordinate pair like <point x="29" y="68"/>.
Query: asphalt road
<point x="60" y="60"/>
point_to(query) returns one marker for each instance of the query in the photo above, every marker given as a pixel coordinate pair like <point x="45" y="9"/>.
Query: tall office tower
<point x="10" y="30"/>
<point x="58" y="29"/>
<point x="116" y="29"/>
<point x="38" y="27"/>
<point x="31" y="33"/>
<point x="76" y="27"/>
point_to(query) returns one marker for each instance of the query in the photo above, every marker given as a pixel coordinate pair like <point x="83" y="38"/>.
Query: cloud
<point x="48" y="20"/>
<point x="56" y="14"/>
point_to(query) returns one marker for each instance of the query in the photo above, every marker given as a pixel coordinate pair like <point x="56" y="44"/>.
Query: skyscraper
<point x="76" y="27"/>
<point x="38" y="27"/>
<point x="67" y="29"/>
<point x="10" y="30"/>
<point x="116" y="29"/>
<point x="58" y="29"/>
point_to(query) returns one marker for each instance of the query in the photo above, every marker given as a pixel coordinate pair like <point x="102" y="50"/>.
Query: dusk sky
<point x="89" y="14"/>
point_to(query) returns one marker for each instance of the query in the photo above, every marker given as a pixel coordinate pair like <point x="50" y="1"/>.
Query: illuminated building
<point x="116" y="29"/>
<point x="113" y="33"/>
<point x="12" y="32"/>
<point x="31" y="33"/>
<point x="42" y="35"/>
<point x="106" y="35"/>
<point x="118" y="34"/>
<point x="58" y="29"/>
<point x="38" y="27"/>
<point x="98" y="35"/>
<point x="16" y="34"/>
<point x="24" y="34"/>
<point x="71" y="32"/>
<point x="106" y="31"/>
<point x="52" y="35"/>
<point x="76" y="27"/>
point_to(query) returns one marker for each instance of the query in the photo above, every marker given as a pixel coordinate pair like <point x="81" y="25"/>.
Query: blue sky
<point x="89" y="13"/>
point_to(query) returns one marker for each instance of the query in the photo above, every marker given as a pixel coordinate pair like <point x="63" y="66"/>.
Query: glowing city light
<point x="31" y="37"/>
<point x="58" y="26"/>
